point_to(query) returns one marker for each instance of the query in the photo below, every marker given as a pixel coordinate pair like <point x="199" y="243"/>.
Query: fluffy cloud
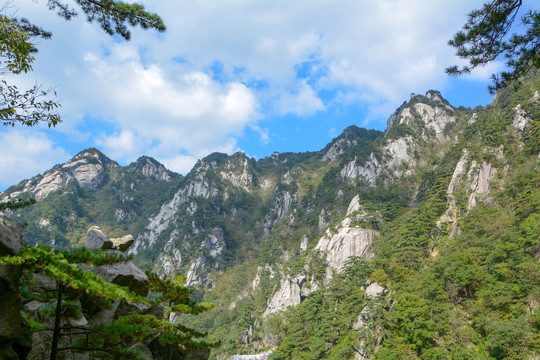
<point x="26" y="153"/>
<point x="162" y="94"/>
<point x="303" y="102"/>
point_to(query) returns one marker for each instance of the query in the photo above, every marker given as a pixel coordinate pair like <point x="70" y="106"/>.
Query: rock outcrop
<point x="345" y="242"/>
<point x="337" y="246"/>
<point x="87" y="168"/>
<point x="198" y="185"/>
<point x="422" y="120"/>
<point x="211" y="252"/>
<point x="289" y="294"/>
<point x="14" y="337"/>
<point x="152" y="169"/>
<point x="121" y="273"/>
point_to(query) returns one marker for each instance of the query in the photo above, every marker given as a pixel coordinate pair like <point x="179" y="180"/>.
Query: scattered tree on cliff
<point x="484" y="38"/>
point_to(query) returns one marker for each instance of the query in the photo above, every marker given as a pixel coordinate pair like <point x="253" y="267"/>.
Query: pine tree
<point x="484" y="39"/>
<point x="113" y="340"/>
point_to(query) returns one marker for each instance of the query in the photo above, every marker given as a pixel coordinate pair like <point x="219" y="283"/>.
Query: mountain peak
<point x="432" y="97"/>
<point x="350" y="137"/>
<point x="418" y="104"/>
<point x="151" y="168"/>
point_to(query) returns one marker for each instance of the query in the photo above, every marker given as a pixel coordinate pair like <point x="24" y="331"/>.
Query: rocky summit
<point x="417" y="242"/>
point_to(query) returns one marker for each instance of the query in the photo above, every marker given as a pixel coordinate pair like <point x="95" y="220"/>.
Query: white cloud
<point x="367" y="53"/>
<point x="121" y="145"/>
<point x="26" y="153"/>
<point x="179" y="163"/>
<point x="332" y="133"/>
<point x="159" y="114"/>
<point x="304" y="102"/>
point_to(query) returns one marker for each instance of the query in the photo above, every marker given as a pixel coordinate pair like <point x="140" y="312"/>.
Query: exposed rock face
<point x="457" y="177"/>
<point x="521" y="119"/>
<point x="171" y="261"/>
<point x="237" y="171"/>
<point x="368" y="172"/>
<point x="397" y="153"/>
<point x="478" y="182"/>
<point x="198" y="185"/>
<point x="150" y="168"/>
<point x="336" y="246"/>
<point x="374" y="290"/>
<point x="88" y="174"/>
<point x="11" y="237"/>
<point x="354" y="205"/>
<point x="50" y="182"/>
<point x="289" y="294"/>
<point x="345" y="243"/>
<point x="337" y="148"/>
<point x="427" y="116"/>
<point x="282" y="204"/>
<point x="14" y="343"/>
<point x="87" y="168"/>
<point x="212" y="250"/>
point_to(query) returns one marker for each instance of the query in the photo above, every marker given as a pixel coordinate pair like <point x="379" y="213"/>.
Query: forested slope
<point x="419" y="242"/>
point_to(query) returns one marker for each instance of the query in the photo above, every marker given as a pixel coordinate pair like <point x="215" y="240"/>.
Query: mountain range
<point x="418" y="242"/>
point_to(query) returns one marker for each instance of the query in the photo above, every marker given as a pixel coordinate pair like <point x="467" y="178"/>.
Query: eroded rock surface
<point x="14" y="339"/>
<point x="346" y="242"/>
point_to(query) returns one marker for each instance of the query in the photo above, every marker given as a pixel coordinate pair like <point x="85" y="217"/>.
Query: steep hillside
<point x="91" y="189"/>
<point x="419" y="242"/>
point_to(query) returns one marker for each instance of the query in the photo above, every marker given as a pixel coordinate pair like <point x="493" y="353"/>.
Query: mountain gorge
<point x="418" y="242"/>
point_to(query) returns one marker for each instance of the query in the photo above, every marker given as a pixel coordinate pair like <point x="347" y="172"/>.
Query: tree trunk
<point x="57" y="320"/>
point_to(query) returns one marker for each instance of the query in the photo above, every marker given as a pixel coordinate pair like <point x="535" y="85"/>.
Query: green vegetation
<point x="112" y="340"/>
<point x="459" y="271"/>
<point x="484" y="39"/>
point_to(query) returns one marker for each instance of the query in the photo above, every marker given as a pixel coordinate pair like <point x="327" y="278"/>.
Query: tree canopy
<point x="104" y="340"/>
<point x="485" y="37"/>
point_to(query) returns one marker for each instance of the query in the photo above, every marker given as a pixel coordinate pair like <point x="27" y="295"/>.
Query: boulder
<point x="123" y="274"/>
<point x="95" y="239"/>
<point x="123" y="243"/>
<point x="375" y="290"/>
<point x="11" y="237"/>
<point x="125" y="308"/>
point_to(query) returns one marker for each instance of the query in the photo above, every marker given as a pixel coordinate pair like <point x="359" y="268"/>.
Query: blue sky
<point x="235" y="75"/>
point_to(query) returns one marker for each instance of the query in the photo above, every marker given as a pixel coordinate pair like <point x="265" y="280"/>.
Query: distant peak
<point x="349" y="138"/>
<point x="151" y="168"/>
<point x="92" y="153"/>
<point x="89" y="151"/>
<point x="147" y="160"/>
<point x="432" y="97"/>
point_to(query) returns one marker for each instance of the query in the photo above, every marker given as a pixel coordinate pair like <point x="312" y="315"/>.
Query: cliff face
<point x="87" y="168"/>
